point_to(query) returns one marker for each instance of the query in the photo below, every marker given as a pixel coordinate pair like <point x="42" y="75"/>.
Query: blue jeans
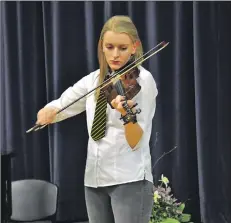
<point x="124" y="203"/>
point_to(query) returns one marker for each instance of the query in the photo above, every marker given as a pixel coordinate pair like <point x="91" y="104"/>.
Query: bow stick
<point x="114" y="77"/>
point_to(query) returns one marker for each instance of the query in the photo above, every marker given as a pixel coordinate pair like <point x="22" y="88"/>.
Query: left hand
<point x="117" y="103"/>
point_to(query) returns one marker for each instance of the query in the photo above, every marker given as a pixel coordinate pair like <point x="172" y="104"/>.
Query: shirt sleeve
<point x="147" y="104"/>
<point x="69" y="95"/>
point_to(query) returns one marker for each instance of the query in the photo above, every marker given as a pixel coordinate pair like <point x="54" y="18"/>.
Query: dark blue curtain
<point x="48" y="46"/>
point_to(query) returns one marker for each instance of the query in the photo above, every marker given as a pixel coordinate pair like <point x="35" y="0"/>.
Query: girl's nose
<point x="115" y="53"/>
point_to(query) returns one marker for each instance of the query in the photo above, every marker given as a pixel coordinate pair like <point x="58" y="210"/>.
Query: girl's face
<point x="117" y="48"/>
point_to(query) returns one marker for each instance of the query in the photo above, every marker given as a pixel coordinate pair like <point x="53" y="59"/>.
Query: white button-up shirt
<point x="111" y="160"/>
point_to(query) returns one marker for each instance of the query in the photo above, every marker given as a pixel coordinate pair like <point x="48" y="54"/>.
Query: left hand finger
<point x="129" y="102"/>
<point x="119" y="98"/>
<point x="113" y="103"/>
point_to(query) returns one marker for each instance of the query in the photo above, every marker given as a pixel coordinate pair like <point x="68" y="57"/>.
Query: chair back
<point x="34" y="200"/>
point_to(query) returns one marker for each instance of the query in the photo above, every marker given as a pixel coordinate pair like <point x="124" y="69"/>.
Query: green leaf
<point x="181" y="207"/>
<point x="170" y="220"/>
<point x="185" y="217"/>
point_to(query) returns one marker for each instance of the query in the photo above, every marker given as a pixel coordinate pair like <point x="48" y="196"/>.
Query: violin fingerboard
<point x="119" y="87"/>
<point x="133" y="92"/>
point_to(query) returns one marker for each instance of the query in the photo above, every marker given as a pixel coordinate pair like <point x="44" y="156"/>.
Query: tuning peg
<point x="134" y="105"/>
<point x="138" y="111"/>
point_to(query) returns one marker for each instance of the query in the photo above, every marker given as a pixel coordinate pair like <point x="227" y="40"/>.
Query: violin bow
<point x="114" y="77"/>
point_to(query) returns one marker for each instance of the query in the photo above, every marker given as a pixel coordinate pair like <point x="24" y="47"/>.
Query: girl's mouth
<point x="115" y="62"/>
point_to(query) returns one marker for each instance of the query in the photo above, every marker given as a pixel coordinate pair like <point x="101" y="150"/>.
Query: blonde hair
<point x="119" y="24"/>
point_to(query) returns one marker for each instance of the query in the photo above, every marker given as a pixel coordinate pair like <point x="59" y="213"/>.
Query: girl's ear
<point x="135" y="46"/>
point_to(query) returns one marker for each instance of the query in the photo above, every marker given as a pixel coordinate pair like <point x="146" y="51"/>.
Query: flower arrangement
<point x="166" y="209"/>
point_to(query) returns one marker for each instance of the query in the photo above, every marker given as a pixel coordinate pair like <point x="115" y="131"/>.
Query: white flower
<point x="164" y="180"/>
<point x="156" y="196"/>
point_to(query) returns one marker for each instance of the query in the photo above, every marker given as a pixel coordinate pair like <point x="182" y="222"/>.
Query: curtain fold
<point x="212" y="105"/>
<point x="48" y="46"/>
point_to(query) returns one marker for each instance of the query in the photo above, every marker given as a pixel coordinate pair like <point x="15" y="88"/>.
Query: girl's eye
<point x="121" y="48"/>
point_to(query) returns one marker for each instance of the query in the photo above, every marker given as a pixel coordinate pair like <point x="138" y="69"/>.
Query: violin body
<point x="127" y="86"/>
<point x="130" y="86"/>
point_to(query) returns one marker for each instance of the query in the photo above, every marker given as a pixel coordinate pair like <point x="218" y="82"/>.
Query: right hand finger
<point x="46" y="116"/>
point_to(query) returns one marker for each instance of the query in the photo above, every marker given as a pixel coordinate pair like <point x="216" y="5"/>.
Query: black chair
<point x="34" y="200"/>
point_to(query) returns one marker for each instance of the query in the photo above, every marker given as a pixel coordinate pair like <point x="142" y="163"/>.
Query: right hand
<point x="46" y="115"/>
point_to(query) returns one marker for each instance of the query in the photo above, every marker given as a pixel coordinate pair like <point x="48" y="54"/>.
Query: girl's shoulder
<point x="145" y="74"/>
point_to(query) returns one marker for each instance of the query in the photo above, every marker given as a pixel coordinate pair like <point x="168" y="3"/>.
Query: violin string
<point x="114" y="77"/>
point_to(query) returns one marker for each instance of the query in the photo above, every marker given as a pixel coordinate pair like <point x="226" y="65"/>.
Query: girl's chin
<point x="115" y="67"/>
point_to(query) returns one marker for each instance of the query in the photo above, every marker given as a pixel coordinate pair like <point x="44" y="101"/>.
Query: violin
<point x="123" y="82"/>
<point x="126" y="86"/>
